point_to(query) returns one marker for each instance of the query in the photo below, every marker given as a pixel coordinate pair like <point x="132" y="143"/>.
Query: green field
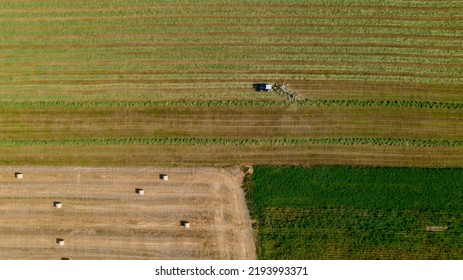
<point x="336" y="212"/>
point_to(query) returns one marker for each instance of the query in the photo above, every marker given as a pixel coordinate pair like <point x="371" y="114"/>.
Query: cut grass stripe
<point x="255" y="103"/>
<point x="337" y="3"/>
<point x="239" y="142"/>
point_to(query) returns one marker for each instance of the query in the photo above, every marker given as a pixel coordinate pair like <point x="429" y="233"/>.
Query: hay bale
<point x="140" y="191"/>
<point x="163" y="177"/>
<point x="60" y="241"/>
<point x="185" y="224"/>
<point x="18" y="175"/>
<point x="57" y="204"/>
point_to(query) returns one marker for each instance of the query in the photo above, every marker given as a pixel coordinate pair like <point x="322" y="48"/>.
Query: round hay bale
<point x="57" y="204"/>
<point x="60" y="241"/>
<point x="186" y="225"/>
<point x="140" y="191"/>
<point x="164" y="177"/>
<point x="18" y="175"/>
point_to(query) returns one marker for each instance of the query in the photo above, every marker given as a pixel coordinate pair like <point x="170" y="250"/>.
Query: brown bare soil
<point x="103" y="218"/>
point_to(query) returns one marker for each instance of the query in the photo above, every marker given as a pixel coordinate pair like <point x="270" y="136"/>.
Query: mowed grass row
<point x="404" y="73"/>
<point x="335" y="212"/>
<point x="107" y="97"/>
<point x="229" y="155"/>
<point x="230" y="135"/>
<point x="360" y="28"/>
<point x="83" y="47"/>
<point x="238" y="142"/>
<point x="10" y="101"/>
<point x="240" y="93"/>
<point x="229" y="122"/>
<point x="148" y="10"/>
<point x="314" y="53"/>
<point x="371" y="4"/>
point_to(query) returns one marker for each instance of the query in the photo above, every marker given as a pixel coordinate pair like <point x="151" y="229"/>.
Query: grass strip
<point x="239" y="142"/>
<point x="257" y="103"/>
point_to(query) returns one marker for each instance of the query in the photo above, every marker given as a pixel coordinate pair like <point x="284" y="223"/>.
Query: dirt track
<point x="103" y="218"/>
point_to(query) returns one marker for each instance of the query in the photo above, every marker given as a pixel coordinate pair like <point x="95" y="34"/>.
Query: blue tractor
<point x="263" y="87"/>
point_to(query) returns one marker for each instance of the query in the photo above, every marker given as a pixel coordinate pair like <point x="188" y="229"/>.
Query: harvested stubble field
<point x="103" y="218"/>
<point x="175" y="79"/>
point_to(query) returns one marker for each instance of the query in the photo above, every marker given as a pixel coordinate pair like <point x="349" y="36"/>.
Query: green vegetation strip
<point x="218" y="103"/>
<point x="124" y="3"/>
<point x="339" y="212"/>
<point x="239" y="142"/>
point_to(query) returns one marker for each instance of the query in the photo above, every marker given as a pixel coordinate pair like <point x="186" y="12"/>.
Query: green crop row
<point x="239" y="142"/>
<point x="220" y="103"/>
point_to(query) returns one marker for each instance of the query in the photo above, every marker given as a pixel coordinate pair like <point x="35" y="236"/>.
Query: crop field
<point x="336" y="212"/>
<point x="171" y="83"/>
<point x="102" y="217"/>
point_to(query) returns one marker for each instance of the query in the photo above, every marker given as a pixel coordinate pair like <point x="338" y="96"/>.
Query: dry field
<point x="103" y="218"/>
